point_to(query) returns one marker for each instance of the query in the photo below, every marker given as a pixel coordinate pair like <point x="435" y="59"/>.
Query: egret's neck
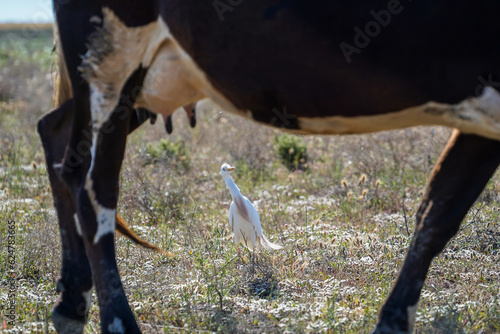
<point x="233" y="188"/>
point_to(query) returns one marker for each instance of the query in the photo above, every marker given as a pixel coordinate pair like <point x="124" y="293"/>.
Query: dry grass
<point x="342" y="225"/>
<point x="25" y="26"/>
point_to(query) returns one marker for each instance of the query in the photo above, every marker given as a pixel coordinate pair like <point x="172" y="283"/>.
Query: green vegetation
<point x="342" y="223"/>
<point x="292" y="151"/>
<point x="26" y="45"/>
<point x="166" y="151"/>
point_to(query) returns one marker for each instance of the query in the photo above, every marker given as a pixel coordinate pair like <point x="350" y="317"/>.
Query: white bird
<point x="243" y="217"/>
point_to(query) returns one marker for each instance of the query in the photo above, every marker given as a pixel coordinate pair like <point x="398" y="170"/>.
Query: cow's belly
<point x="479" y="116"/>
<point x="174" y="80"/>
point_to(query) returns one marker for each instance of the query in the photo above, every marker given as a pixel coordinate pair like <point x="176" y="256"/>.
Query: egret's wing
<point x="231" y="216"/>
<point x="253" y="216"/>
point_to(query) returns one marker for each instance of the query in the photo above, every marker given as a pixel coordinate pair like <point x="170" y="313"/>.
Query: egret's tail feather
<point x="268" y="244"/>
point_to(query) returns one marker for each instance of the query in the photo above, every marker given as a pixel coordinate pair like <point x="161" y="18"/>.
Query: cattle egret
<point x="243" y="217"/>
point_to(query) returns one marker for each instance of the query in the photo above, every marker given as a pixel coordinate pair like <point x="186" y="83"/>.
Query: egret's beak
<point x="230" y="169"/>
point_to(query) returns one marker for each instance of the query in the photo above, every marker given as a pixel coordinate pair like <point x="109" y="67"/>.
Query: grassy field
<point x="345" y="223"/>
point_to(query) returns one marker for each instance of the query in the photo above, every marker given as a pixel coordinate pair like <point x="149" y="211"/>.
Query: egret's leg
<point x="253" y="251"/>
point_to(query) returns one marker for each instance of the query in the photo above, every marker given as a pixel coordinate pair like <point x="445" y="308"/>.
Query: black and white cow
<point x="310" y="67"/>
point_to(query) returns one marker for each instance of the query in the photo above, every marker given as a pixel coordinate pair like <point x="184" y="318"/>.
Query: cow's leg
<point x="102" y="54"/>
<point x="464" y="168"/>
<point x="96" y="206"/>
<point x="75" y="285"/>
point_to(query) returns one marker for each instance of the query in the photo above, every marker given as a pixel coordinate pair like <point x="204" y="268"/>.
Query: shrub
<point x="168" y="151"/>
<point x="292" y="151"/>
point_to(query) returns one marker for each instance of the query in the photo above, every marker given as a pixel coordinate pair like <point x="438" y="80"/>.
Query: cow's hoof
<point x="66" y="325"/>
<point x="387" y="329"/>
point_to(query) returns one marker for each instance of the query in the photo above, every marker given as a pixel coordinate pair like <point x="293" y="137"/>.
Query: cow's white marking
<point x="105" y="222"/>
<point x="173" y="79"/>
<point x="95" y="19"/>
<point x="105" y="217"/>
<point x="98" y="103"/>
<point x="57" y="165"/>
<point x="476" y="115"/>
<point x="77" y="225"/>
<point x="115" y="52"/>
<point x="412" y="313"/>
<point x="116" y="326"/>
<point x="87" y="296"/>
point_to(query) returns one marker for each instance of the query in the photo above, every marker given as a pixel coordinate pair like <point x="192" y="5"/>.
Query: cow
<point x="308" y="67"/>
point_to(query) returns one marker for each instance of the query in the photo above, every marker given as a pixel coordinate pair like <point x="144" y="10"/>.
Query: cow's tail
<point x="63" y="93"/>
<point x="123" y="228"/>
<point x="268" y="244"/>
<point x="62" y="84"/>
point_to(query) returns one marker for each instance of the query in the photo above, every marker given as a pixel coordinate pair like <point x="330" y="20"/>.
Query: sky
<point x="26" y="11"/>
